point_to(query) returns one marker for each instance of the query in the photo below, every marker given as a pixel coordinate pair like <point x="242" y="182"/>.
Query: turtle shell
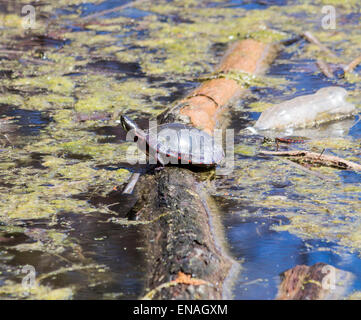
<point x="178" y="143"/>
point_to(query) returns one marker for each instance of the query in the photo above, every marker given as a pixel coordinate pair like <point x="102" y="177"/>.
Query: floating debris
<point x="325" y="105"/>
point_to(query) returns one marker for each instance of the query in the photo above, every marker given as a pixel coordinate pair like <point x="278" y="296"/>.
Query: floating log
<point x="318" y="282"/>
<point x="184" y="234"/>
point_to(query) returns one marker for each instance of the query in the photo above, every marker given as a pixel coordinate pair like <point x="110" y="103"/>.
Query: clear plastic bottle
<point x="325" y="105"/>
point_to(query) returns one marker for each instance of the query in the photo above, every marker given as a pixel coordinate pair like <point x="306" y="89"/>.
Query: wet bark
<point x="183" y="232"/>
<point x="180" y="236"/>
<point x="318" y="282"/>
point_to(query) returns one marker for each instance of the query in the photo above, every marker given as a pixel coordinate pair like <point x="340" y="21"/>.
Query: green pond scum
<point x="68" y="68"/>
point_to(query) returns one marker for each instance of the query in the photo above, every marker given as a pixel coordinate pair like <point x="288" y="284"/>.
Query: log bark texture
<point x="318" y="282"/>
<point x="184" y="233"/>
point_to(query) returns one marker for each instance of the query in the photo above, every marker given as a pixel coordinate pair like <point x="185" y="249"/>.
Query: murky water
<point x="62" y="153"/>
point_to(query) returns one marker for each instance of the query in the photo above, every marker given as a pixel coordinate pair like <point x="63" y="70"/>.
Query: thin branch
<point x="64" y="270"/>
<point x="316" y="158"/>
<point x="311" y="38"/>
<point x="119" y="8"/>
<point x="353" y="64"/>
<point x="325" y="68"/>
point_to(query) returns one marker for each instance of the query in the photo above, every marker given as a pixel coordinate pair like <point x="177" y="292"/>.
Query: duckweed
<point x="52" y="173"/>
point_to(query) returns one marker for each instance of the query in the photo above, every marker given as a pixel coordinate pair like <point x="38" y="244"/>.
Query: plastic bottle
<point x="325" y="105"/>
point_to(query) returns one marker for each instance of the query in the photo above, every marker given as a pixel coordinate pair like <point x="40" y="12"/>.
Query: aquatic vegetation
<point x="51" y="83"/>
<point x="152" y="61"/>
<point x="16" y="291"/>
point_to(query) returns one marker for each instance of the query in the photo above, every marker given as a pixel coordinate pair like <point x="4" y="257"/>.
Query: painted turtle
<point x="177" y="143"/>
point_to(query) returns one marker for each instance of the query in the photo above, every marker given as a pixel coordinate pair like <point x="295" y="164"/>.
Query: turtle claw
<point x="160" y="168"/>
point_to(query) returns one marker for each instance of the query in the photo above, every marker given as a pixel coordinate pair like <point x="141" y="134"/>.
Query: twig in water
<point x="352" y="65"/>
<point x="315" y="158"/>
<point x="119" y="8"/>
<point x="322" y="152"/>
<point x="322" y="65"/>
<point x="311" y="38"/>
<point x="7" y="139"/>
<point x="325" y="68"/>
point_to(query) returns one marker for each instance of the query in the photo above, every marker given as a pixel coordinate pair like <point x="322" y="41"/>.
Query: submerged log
<point x="184" y="235"/>
<point x="318" y="282"/>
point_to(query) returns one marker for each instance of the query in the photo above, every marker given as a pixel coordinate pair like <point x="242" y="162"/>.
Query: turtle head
<point x="127" y="124"/>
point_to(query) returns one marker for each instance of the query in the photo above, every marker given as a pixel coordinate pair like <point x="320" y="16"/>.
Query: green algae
<point x="39" y="291"/>
<point x="245" y="150"/>
<point x="175" y="42"/>
<point x="13" y="290"/>
<point x="268" y="35"/>
<point x="246" y="79"/>
<point x="259" y="106"/>
<point x="72" y="157"/>
<point x="52" y="83"/>
<point x="47" y="193"/>
<point x="333" y="143"/>
<point x="348" y="4"/>
<point x="12" y="99"/>
<point x="354" y="296"/>
<point x="68" y="152"/>
<point x="320" y="212"/>
<point x="98" y="94"/>
<point x="47" y="102"/>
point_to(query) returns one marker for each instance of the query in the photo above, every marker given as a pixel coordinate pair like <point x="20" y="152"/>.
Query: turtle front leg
<point x="161" y="161"/>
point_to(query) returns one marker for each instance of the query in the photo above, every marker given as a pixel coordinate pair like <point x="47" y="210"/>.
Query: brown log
<point x="184" y="233"/>
<point x="204" y="105"/>
<point x="318" y="282"/>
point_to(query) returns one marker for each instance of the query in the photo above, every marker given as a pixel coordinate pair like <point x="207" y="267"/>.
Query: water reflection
<point x="265" y="254"/>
